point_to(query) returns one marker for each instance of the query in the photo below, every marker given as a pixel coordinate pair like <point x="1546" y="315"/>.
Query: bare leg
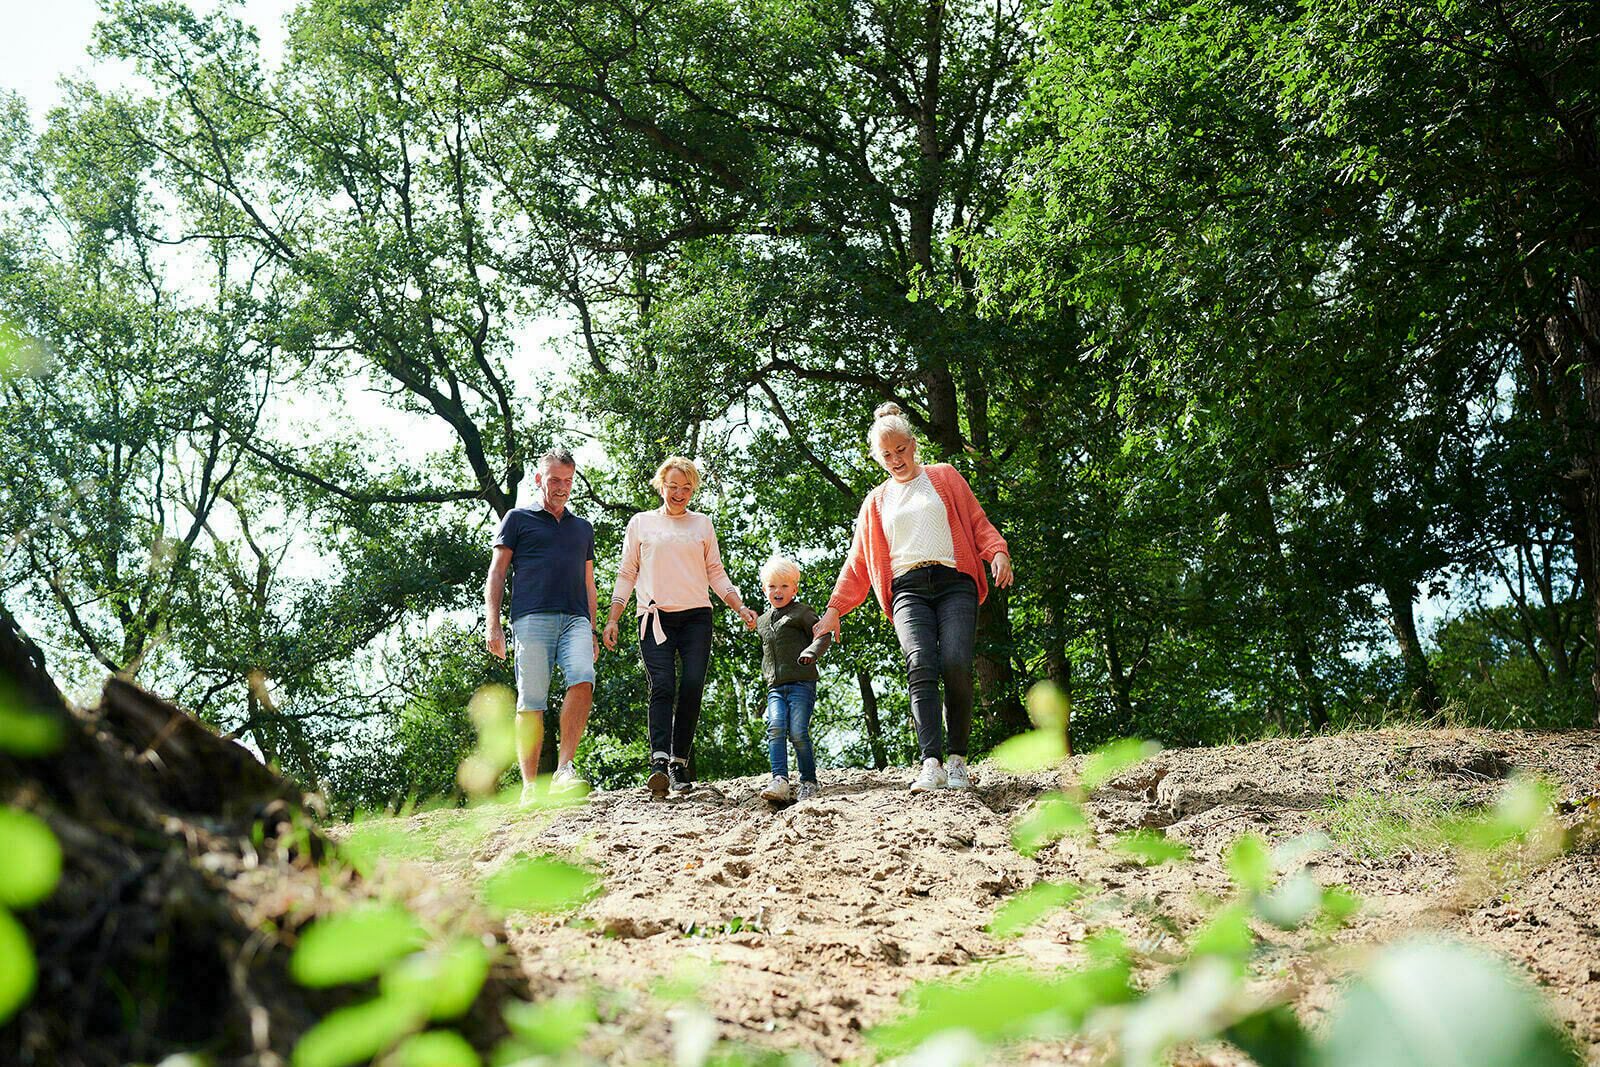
<point x="530" y="739"/>
<point x="574" y="719"/>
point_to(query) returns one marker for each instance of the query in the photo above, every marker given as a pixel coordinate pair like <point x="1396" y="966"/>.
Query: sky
<point x="42" y="42"/>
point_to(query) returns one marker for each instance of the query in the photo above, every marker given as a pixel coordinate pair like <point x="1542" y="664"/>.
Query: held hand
<point x="596" y="645"/>
<point x="610" y="635"/>
<point x="496" y="641"/>
<point x="828" y="624"/>
<point x="749" y="616"/>
<point x="1000" y="566"/>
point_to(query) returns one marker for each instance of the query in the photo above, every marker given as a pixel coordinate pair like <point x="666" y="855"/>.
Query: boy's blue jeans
<point x="789" y="710"/>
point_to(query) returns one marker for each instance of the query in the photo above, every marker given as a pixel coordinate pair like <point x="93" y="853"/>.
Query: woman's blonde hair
<point x="683" y="466"/>
<point x="780" y="567"/>
<point x="888" y="419"/>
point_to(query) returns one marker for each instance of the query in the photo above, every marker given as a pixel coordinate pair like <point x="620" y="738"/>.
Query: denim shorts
<point x="544" y="639"/>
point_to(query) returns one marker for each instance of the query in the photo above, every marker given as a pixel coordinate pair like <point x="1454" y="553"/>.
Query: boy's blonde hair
<point x="781" y="567"/>
<point x="680" y="464"/>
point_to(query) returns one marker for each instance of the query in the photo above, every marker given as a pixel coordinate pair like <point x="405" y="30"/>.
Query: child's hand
<point x="749" y="616"/>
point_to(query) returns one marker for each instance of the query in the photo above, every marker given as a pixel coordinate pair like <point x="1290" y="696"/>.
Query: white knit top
<point x="916" y="524"/>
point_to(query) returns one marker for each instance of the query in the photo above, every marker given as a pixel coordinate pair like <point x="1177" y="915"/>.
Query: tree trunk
<point x="997" y="683"/>
<point x="869" y="710"/>
<point x="1284" y="600"/>
<point x="1120" y="683"/>
<point x="1058" y="668"/>
<point x="1403" y="624"/>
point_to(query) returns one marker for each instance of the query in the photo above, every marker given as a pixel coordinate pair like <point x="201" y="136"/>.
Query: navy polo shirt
<point x="547" y="560"/>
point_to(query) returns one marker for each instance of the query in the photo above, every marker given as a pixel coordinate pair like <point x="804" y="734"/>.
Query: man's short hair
<point x="557" y="456"/>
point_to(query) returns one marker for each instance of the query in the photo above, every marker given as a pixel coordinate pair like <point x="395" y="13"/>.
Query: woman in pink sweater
<point x="669" y="557"/>
<point x="919" y="540"/>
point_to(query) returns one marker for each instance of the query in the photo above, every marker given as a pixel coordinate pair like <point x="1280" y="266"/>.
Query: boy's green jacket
<point x="785" y="637"/>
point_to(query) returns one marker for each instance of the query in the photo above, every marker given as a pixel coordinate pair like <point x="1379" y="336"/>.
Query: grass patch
<point x="1381" y="825"/>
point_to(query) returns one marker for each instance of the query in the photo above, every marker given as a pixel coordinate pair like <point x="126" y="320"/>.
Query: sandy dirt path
<point x="816" y="919"/>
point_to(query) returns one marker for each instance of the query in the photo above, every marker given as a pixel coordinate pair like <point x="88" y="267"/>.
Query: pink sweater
<point x="669" y="560"/>
<point x="868" y="565"/>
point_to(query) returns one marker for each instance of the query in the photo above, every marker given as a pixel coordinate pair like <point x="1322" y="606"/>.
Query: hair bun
<point x="887" y="410"/>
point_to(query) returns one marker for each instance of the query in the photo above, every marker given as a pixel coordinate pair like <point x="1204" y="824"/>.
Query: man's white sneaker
<point x="956" y="775"/>
<point x="777" y="790"/>
<point x="807" y="791"/>
<point x="568" y="780"/>
<point x="931" y="778"/>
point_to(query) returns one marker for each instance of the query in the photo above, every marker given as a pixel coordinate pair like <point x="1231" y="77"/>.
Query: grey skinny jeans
<point x="936" y="620"/>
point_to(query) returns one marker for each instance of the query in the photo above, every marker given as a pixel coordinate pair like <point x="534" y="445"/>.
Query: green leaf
<point x="1294" y="901"/>
<point x="1273" y="1037"/>
<point x="18" y="969"/>
<point x="1190" y="1005"/>
<point x="539" y="884"/>
<point x="356" y="1034"/>
<point x="1049" y="708"/>
<point x="436" y="1048"/>
<point x="1054" y="816"/>
<point x="1338" y="904"/>
<point x="32" y="854"/>
<point x="1035" y="750"/>
<point x="1433" y="1002"/>
<point x="1522" y="807"/>
<point x="1002" y="1004"/>
<point x="1032" y="904"/>
<point x="1150" y="847"/>
<point x="1249" y="863"/>
<point x="25" y="732"/>
<point x="1227" y="933"/>
<point x="1110" y="760"/>
<point x="551" y="1027"/>
<point x="443" y="983"/>
<point x="354" y="945"/>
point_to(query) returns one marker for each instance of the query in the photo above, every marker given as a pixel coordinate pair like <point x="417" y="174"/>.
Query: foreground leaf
<point x="1151" y="848"/>
<point x="356" y="1034"/>
<point x="1106" y="762"/>
<point x="1434" y="1003"/>
<point x="18" y="969"/>
<point x="1006" y="1004"/>
<point x="539" y="884"/>
<point x="1055" y="816"/>
<point x="551" y="1027"/>
<point x="31" y="864"/>
<point x="354" y="946"/>
<point x="442" y="983"/>
<point x="1032" y="904"/>
<point x="1035" y="750"/>
<point x="436" y="1048"/>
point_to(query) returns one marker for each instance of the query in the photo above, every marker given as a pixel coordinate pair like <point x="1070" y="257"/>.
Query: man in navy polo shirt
<point x="549" y="553"/>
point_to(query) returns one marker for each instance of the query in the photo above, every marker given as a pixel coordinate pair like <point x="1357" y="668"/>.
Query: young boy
<point x="788" y="666"/>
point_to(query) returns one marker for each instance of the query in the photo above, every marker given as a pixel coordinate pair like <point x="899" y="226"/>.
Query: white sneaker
<point x="956" y="774"/>
<point x="568" y="780"/>
<point x="807" y="791"/>
<point x="528" y="799"/>
<point x="777" y="790"/>
<point x="931" y="778"/>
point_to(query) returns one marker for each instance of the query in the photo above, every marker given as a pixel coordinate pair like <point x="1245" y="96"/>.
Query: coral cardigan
<point x="867" y="564"/>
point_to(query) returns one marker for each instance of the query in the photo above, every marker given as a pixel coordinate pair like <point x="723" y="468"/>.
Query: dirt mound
<point x="818" y="917"/>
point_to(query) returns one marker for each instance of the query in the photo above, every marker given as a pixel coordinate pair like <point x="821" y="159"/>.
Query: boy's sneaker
<point x="660" y="779"/>
<point x="678" y="772"/>
<point x="807" y="791"/>
<point x="956" y="774"/>
<point x="777" y="790"/>
<point x="568" y="780"/>
<point x="931" y="778"/>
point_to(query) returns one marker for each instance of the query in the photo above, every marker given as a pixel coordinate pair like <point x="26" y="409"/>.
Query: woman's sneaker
<point x="931" y="777"/>
<point x="956" y="775"/>
<point x="807" y="791"/>
<point x="678" y="772"/>
<point x="660" y="779"/>
<point x="777" y="790"/>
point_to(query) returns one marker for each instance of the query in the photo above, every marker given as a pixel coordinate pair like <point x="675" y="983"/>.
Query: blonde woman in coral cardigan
<point x="920" y="542"/>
